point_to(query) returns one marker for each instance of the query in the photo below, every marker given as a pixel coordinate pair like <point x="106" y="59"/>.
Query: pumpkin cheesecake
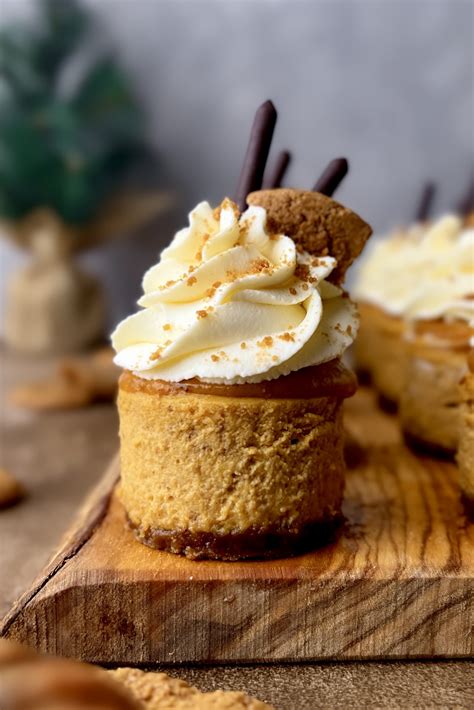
<point x="436" y="354"/>
<point x="382" y="292"/>
<point x="231" y="400"/>
<point x="417" y="314"/>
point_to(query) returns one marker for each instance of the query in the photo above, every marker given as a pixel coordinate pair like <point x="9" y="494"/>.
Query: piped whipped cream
<point x="425" y="273"/>
<point x="230" y="303"/>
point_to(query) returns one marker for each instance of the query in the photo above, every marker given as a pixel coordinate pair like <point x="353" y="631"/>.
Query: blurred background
<point x="388" y="84"/>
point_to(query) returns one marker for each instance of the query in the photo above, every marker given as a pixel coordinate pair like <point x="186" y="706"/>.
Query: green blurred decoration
<point x="65" y="151"/>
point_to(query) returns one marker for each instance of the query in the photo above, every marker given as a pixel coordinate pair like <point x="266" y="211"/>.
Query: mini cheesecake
<point x="231" y="400"/>
<point x="430" y="400"/>
<point x="234" y="472"/>
<point x="380" y="351"/>
<point x="465" y="455"/>
<point x="415" y="301"/>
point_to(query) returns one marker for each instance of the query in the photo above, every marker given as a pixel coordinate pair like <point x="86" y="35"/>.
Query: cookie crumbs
<point x="305" y="287"/>
<point x="168" y="284"/>
<point x="226" y="204"/>
<point x="267" y="342"/>
<point x="198" y="256"/>
<point x="274" y="358"/>
<point x="215" y="358"/>
<point x="157" y="354"/>
<point x="293" y="291"/>
<point x="243" y="345"/>
<point x="259" y="265"/>
<point x="302" y="272"/>
<point x="245" y="228"/>
<point x="288" y="337"/>
<point x="202" y="314"/>
<point x="192" y="280"/>
<point x="167" y="326"/>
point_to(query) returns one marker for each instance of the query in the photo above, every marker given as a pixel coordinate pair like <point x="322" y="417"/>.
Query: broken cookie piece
<point x="316" y="223"/>
<point x="158" y="691"/>
<point x="11" y="490"/>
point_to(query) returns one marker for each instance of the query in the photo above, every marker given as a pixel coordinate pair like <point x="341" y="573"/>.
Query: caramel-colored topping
<point x="454" y="335"/>
<point x="317" y="224"/>
<point x="331" y="379"/>
<point x="470" y="360"/>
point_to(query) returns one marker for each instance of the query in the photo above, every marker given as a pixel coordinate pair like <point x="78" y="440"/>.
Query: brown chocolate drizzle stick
<point x="466" y="203"/>
<point x="426" y="202"/>
<point x="257" y="153"/>
<point x="273" y="178"/>
<point x="331" y="177"/>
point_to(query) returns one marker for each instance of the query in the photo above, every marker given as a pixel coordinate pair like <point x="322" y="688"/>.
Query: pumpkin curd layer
<point x="331" y="379"/>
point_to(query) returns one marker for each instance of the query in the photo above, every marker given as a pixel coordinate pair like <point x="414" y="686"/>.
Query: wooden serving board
<point x="398" y="582"/>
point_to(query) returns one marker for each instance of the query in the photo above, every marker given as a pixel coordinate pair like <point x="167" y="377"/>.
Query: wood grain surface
<point x="397" y="583"/>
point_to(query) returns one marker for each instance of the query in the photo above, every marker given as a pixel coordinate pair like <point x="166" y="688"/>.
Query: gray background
<point x="387" y="83"/>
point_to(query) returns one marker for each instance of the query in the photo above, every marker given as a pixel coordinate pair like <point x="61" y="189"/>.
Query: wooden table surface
<point x="59" y="456"/>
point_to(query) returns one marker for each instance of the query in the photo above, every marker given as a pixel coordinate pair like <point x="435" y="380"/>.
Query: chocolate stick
<point x="426" y="202"/>
<point x="277" y="171"/>
<point x="466" y="203"/>
<point x="256" y="156"/>
<point x="331" y="177"/>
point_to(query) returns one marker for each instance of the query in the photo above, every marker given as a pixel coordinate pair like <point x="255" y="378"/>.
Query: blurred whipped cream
<point x="229" y="303"/>
<point x="424" y="273"/>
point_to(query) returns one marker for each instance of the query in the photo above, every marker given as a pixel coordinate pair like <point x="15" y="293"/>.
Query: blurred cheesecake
<point x="465" y="454"/>
<point x="416" y="293"/>
<point x="381" y="292"/>
<point x="231" y="400"/>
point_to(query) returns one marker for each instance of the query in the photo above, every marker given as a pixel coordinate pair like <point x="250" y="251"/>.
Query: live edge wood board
<point x="397" y="583"/>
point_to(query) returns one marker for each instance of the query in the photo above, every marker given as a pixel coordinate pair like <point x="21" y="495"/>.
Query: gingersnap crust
<point x="317" y="224"/>
<point x="254" y="543"/>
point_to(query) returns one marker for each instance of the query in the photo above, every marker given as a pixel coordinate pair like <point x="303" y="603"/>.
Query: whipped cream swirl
<point x="229" y="303"/>
<point x="425" y="273"/>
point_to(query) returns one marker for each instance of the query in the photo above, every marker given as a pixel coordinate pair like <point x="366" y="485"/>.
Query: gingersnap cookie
<point x="316" y="223"/>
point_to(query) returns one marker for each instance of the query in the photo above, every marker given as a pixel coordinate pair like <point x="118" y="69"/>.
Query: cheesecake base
<point x="230" y="547"/>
